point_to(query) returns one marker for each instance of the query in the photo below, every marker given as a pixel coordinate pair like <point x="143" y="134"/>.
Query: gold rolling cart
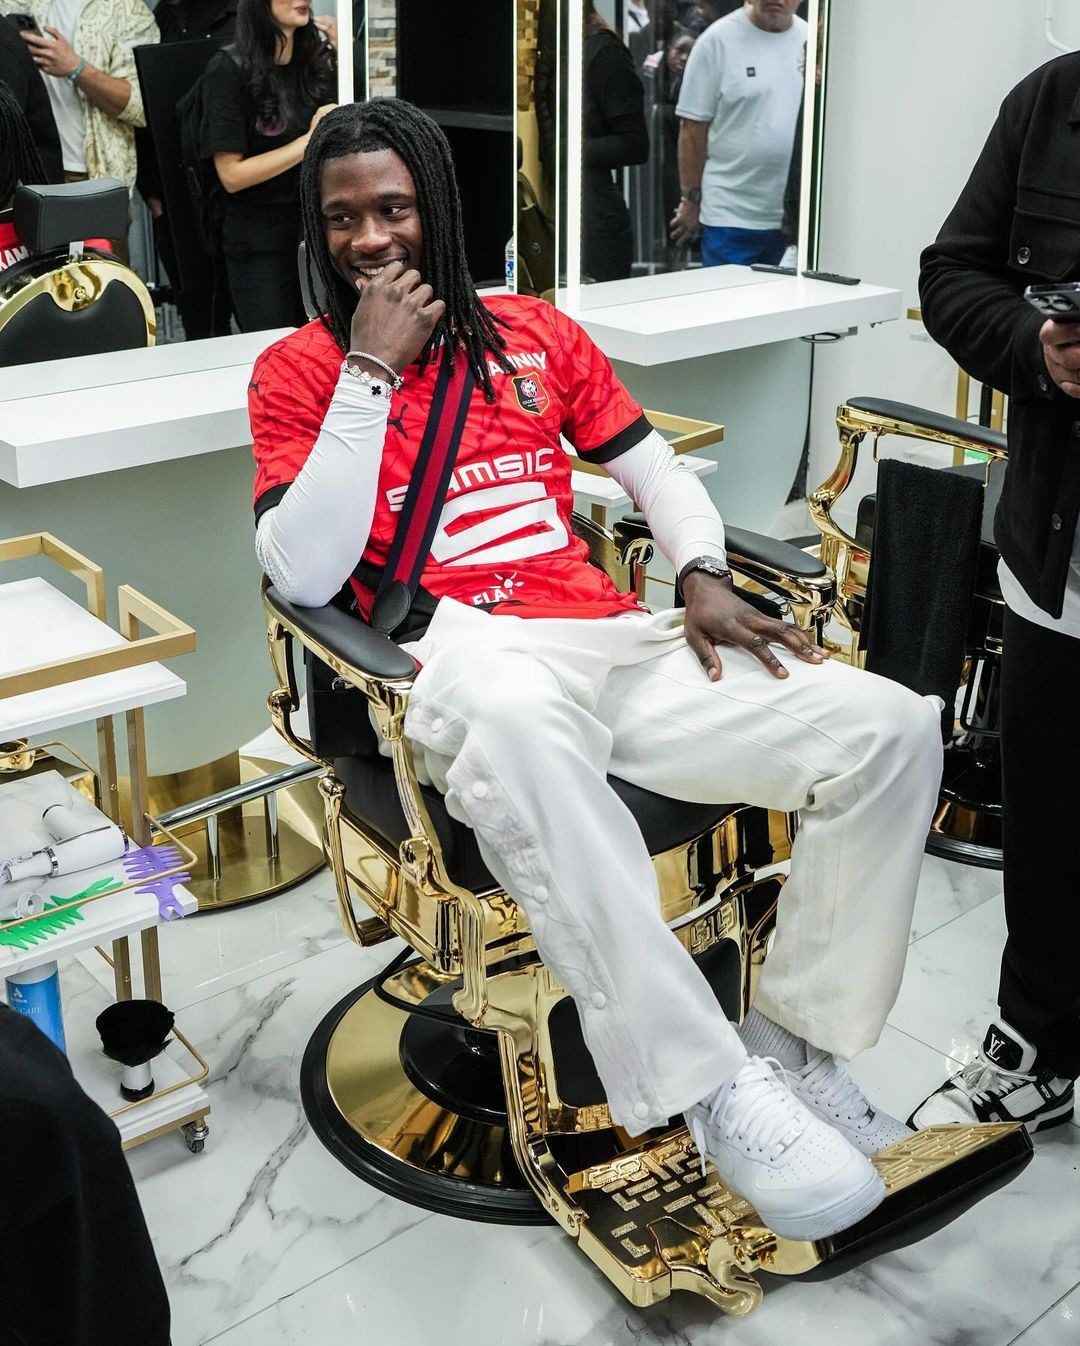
<point x="458" y="1078"/>
<point x="90" y="680"/>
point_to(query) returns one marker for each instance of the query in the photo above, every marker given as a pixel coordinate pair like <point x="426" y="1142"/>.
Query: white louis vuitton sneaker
<point x="1004" y="1083"/>
<point x="802" y="1176"/>
<point x="830" y="1092"/>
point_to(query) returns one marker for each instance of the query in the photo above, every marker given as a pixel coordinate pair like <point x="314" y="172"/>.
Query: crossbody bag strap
<point x="427" y="490"/>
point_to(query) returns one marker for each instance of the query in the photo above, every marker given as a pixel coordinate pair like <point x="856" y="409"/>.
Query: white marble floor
<point x="266" y="1241"/>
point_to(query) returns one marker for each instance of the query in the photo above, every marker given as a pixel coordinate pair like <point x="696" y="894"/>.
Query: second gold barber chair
<point x="458" y="1078"/>
<point x="967" y="825"/>
<point x="65" y="299"/>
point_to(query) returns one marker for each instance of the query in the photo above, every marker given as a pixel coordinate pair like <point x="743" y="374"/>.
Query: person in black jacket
<point x="77" y="1267"/>
<point x="18" y="72"/>
<point x="1017" y="222"/>
<point x="614" y="136"/>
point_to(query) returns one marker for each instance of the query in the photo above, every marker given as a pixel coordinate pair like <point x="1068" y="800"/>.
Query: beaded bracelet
<point x="396" y="381"/>
<point x="77" y="71"/>
<point x="376" y="387"/>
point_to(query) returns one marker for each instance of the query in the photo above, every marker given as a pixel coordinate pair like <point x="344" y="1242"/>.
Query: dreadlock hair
<point x="392" y="124"/>
<point x="19" y="157"/>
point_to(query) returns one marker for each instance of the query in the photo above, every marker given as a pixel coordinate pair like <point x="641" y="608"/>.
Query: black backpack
<point x="200" y="177"/>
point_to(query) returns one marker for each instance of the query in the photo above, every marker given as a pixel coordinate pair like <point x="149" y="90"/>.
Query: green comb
<point x="53" y="920"/>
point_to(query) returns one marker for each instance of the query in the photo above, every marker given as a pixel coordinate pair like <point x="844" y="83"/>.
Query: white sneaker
<point x="830" y="1092"/>
<point x="803" y="1177"/>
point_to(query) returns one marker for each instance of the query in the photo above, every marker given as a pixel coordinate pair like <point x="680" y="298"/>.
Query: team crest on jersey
<point x="531" y="393"/>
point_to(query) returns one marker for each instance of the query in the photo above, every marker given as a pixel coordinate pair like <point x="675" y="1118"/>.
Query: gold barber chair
<point x="458" y="1078"/>
<point x="65" y="299"/>
<point x="967" y="824"/>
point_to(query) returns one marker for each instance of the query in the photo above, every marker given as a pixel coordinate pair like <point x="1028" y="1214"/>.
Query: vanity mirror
<point x="626" y="75"/>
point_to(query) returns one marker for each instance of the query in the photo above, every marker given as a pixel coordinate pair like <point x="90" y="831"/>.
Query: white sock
<point x="762" y="1037"/>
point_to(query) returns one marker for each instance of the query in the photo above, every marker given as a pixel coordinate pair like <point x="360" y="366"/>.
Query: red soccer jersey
<point x="504" y="539"/>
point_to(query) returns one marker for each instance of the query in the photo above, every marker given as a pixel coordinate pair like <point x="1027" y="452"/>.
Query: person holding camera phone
<point x="1017" y="224"/>
<point x="85" y="50"/>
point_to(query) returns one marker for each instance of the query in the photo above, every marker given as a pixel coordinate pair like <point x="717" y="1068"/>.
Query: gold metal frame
<point x="170" y="637"/>
<point x="842" y="554"/>
<point x="722" y="885"/>
<point x="75" y="284"/>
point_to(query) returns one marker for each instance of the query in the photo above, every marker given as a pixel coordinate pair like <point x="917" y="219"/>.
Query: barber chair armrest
<point x="362" y="657"/>
<point x="861" y="416"/>
<point x="349" y="646"/>
<point x="901" y="418"/>
<point x="798" y="578"/>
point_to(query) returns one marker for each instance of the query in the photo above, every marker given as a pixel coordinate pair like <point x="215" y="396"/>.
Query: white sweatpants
<point x="519" y="722"/>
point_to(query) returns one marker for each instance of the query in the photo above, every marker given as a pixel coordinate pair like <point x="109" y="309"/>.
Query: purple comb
<point x="148" y="863"/>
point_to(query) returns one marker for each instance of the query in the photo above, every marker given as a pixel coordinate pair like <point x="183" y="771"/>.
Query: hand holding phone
<point x="1060" y="302"/>
<point x="26" y="23"/>
<point x="1059" y="338"/>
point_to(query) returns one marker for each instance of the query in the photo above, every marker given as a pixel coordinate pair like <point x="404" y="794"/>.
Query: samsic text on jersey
<point x="504" y="538"/>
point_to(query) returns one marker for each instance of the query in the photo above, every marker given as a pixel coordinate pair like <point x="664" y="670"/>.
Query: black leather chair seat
<point x="371" y="798"/>
<point x="986" y="581"/>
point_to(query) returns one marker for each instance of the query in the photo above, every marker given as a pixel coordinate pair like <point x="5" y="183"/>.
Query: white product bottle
<point x="511" y="265"/>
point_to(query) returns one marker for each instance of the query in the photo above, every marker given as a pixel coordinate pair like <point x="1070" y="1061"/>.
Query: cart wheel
<point x="195" y="1134"/>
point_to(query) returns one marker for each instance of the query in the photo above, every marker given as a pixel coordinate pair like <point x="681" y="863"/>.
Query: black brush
<point x="133" y="1032"/>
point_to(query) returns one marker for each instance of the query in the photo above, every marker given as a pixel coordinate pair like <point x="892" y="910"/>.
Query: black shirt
<point x="233" y="125"/>
<point x="613" y="130"/>
<point x="1017" y="222"/>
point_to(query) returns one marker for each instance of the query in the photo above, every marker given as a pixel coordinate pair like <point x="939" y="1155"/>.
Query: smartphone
<point x="1061" y="302"/>
<point x="25" y="23"/>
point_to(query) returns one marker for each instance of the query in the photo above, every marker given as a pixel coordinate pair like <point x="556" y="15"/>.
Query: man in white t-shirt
<point x="738" y="106"/>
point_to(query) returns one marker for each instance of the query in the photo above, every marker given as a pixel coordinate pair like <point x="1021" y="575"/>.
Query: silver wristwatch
<point x="709" y="564"/>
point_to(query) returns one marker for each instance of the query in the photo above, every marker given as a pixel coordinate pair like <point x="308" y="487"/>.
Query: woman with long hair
<point x="614" y="136"/>
<point x="264" y="95"/>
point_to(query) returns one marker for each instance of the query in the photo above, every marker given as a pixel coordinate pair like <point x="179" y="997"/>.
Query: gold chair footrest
<point x="653" y="1223"/>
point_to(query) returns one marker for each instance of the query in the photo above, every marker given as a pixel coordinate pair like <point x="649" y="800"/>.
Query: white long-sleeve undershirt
<point x="310" y="542"/>
<point x="683" y="520"/>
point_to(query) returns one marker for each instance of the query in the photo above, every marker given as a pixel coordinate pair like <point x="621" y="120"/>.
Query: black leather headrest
<point x="52" y="216"/>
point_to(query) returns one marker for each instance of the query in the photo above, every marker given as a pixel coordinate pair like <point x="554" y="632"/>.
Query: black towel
<point x="927" y="528"/>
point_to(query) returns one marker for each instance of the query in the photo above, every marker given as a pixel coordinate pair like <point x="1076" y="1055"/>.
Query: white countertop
<point x="42" y="625"/>
<point x="101" y="413"/>
<point x="713" y="312"/>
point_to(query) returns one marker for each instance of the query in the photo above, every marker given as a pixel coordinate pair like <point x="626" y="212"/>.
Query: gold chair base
<point x="246" y="871"/>
<point x="363" y="1105"/>
<point x="649" y="1219"/>
<point x="967" y="825"/>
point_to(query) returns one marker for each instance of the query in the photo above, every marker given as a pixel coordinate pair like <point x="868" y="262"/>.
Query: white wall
<point x="914" y="86"/>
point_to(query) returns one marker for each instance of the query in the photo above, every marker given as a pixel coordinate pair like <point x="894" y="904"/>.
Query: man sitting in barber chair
<point x="538" y="677"/>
